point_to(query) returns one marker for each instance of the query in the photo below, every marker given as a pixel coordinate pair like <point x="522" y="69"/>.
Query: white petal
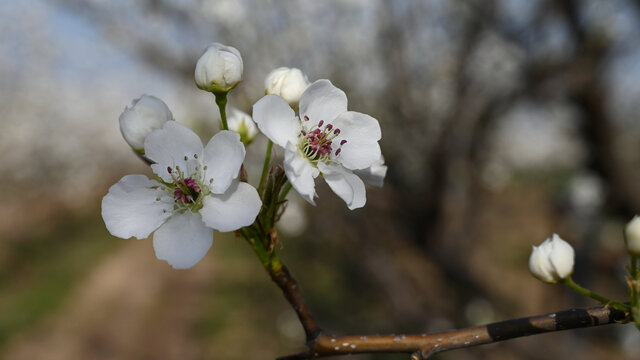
<point x="538" y="264"/>
<point x="561" y="257"/>
<point x="146" y="114"/>
<point x="374" y="174"/>
<point x="288" y="83"/>
<point x="236" y="208"/>
<point x="345" y="184"/>
<point x="131" y="207"/>
<point x="322" y="101"/>
<point x="362" y="133"/>
<point x="183" y="240"/>
<point x="168" y="147"/>
<point x="219" y="68"/>
<point x="243" y="124"/>
<point x="300" y="173"/>
<point x="223" y="157"/>
<point x="276" y="120"/>
<point x="632" y="236"/>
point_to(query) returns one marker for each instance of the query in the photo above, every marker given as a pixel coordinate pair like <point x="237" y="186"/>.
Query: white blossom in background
<point x="196" y="191"/>
<point x="632" y="236"/>
<point x="289" y="83"/>
<point x="219" y="68"/>
<point x="552" y="261"/>
<point x="326" y="139"/>
<point x="374" y="174"/>
<point x="146" y="114"/>
<point x="243" y="124"/>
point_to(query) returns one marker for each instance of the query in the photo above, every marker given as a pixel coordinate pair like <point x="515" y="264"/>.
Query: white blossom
<point x="552" y="261"/>
<point x="632" y="236"/>
<point x="146" y="114"/>
<point x="374" y="174"/>
<point x="243" y="124"/>
<point x="326" y="139"/>
<point x="289" y="83"/>
<point x="196" y="190"/>
<point x="219" y="69"/>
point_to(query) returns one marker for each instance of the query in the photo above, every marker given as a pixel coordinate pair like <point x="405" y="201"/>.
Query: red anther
<point x="169" y="169"/>
<point x="343" y="142"/>
<point x="320" y="123"/>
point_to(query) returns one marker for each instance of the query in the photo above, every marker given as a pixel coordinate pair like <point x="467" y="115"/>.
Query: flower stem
<point x="634" y="291"/>
<point x="586" y="292"/>
<point x="265" y="167"/>
<point x="270" y="261"/>
<point x="284" y="192"/>
<point x="221" y="101"/>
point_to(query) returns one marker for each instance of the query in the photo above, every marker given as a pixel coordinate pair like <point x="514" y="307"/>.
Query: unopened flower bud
<point x="243" y="124"/>
<point x="219" y="69"/>
<point x="552" y="261"/>
<point x="632" y="236"/>
<point x="289" y="83"/>
<point x="146" y="114"/>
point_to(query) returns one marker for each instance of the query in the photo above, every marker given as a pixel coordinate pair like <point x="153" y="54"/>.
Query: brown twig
<point x="289" y="288"/>
<point x="422" y="346"/>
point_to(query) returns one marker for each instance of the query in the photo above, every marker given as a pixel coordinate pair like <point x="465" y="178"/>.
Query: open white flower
<point x="326" y="139"/>
<point x="219" y="68"/>
<point x="552" y="261"/>
<point x="289" y="83"/>
<point x="195" y="192"/>
<point x="147" y="113"/>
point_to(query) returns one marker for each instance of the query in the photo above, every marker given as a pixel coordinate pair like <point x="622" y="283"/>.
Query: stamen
<point x="169" y="169"/>
<point x="317" y="142"/>
<point x="186" y="158"/>
<point x="343" y="142"/>
<point x="195" y="156"/>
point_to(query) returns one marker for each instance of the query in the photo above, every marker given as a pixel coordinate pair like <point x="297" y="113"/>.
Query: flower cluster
<point x="197" y="188"/>
<point x="324" y="139"/>
<point x="553" y="261"/>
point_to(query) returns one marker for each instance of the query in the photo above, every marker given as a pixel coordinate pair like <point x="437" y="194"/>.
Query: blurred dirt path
<point x="130" y="306"/>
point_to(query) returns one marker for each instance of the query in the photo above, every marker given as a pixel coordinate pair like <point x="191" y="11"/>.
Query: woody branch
<point x="422" y="346"/>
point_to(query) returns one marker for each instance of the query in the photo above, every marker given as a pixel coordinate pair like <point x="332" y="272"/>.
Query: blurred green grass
<point x="39" y="269"/>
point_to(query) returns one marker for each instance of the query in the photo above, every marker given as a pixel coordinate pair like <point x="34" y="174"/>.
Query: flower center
<point x="317" y="143"/>
<point x="188" y="189"/>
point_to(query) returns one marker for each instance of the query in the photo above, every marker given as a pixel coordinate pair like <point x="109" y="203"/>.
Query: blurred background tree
<point x="503" y="121"/>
